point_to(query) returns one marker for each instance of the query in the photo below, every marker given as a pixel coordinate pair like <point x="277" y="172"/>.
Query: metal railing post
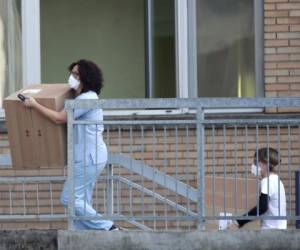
<point x="200" y="170"/>
<point x="70" y="179"/>
<point x="110" y="190"/>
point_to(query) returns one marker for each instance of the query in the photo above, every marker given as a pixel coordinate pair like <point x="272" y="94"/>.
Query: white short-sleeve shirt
<point x="273" y="187"/>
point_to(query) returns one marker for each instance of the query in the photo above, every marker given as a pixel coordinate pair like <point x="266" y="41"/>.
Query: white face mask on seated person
<point x="73" y="82"/>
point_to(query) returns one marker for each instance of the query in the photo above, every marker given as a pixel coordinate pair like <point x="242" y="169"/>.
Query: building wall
<point x="282" y="78"/>
<point x="282" y="47"/>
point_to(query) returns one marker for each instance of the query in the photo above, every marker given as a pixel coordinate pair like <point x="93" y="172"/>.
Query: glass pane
<point x="226" y="64"/>
<point x="108" y="32"/>
<point x="164" y="79"/>
<point x="10" y="48"/>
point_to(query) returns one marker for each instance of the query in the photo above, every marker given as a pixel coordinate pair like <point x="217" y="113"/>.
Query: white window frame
<point x="31" y="48"/>
<point x="186" y="47"/>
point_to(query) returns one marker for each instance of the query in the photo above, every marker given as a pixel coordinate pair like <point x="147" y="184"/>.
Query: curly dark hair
<point x="90" y="75"/>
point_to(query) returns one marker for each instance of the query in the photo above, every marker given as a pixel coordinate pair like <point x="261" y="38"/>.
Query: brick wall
<point x="282" y="47"/>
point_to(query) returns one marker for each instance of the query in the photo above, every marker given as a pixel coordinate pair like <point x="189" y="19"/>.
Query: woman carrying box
<point x="90" y="153"/>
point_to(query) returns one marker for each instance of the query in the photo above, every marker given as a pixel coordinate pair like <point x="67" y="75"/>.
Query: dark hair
<point x="90" y="75"/>
<point x="268" y="156"/>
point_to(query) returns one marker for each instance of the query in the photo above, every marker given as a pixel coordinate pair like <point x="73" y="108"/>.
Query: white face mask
<point x="73" y="82"/>
<point x="255" y="170"/>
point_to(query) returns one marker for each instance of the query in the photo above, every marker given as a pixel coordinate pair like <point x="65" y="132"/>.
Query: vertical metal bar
<point x="192" y="48"/>
<point x="256" y="177"/>
<point x="149" y="45"/>
<point x="119" y="168"/>
<point x="105" y="200"/>
<point x="95" y="168"/>
<point x="259" y="46"/>
<point x="214" y="169"/>
<point x="131" y="172"/>
<point x="24" y="198"/>
<point x="10" y="199"/>
<point x="85" y="166"/>
<point x="37" y="198"/>
<point x="110" y="189"/>
<point x="153" y="177"/>
<point x="187" y="166"/>
<point x="289" y="169"/>
<point x="279" y="166"/>
<point x="143" y="161"/>
<point x="268" y="156"/>
<point x="235" y="169"/>
<point x="201" y="170"/>
<point x="165" y="171"/>
<point x="181" y="20"/>
<point x="176" y="174"/>
<point x="225" y="170"/>
<point x="51" y="197"/>
<point x="119" y="196"/>
<point x="71" y="208"/>
<point x="246" y="168"/>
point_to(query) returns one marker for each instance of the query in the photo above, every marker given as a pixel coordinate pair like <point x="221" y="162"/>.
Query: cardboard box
<point x="35" y="141"/>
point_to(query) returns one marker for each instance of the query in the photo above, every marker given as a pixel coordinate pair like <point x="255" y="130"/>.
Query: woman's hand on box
<point x="30" y="102"/>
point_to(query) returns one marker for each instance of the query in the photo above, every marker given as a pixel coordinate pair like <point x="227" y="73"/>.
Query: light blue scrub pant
<point x="85" y="178"/>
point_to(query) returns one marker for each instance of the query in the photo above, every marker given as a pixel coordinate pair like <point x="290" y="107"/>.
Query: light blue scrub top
<point x="89" y="147"/>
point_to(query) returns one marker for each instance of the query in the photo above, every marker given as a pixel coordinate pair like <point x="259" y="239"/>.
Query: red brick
<point x="270" y="21"/>
<point x="288" y="20"/>
<point x="269" y="6"/>
<point x="295" y="86"/>
<point x="270" y="65"/>
<point x="269" y="51"/>
<point x="290" y="79"/>
<point x="276" y="58"/>
<point x="282" y="72"/>
<point x="295" y="13"/>
<point x="288" y="35"/>
<point x="276" y="28"/>
<point x="295" y="27"/>
<point x="288" y="65"/>
<point x="288" y="50"/>
<point x="276" y="43"/>
<point x="274" y="87"/>
<point x="295" y="57"/>
<point x="271" y="94"/>
<point x="270" y="79"/>
<point x="295" y="42"/>
<point x="288" y="6"/>
<point x="294" y="72"/>
<point x="277" y="13"/>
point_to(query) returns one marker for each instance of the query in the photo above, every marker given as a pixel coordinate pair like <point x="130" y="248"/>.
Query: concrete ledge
<point x="137" y="240"/>
<point x="28" y="239"/>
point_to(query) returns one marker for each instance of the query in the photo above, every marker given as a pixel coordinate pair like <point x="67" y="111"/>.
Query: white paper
<point x="31" y="91"/>
<point x="223" y="224"/>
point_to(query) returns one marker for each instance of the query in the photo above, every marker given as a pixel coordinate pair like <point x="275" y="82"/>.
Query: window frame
<point x="191" y="49"/>
<point x="186" y="46"/>
<point x="30" y="11"/>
